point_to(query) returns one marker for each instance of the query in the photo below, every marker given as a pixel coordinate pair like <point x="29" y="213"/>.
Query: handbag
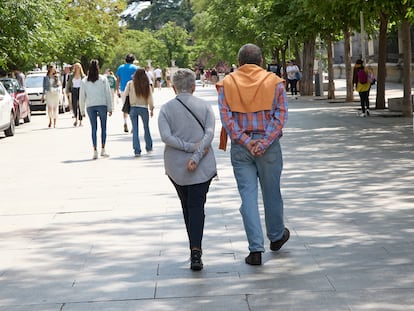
<point x="298" y="75"/>
<point x="127" y="105"/>
<point x="195" y="117"/>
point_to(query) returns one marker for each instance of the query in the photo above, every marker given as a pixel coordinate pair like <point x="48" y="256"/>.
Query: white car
<point x="6" y="112"/>
<point x="34" y="89"/>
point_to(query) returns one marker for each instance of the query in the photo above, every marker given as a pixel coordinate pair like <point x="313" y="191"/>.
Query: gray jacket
<point x="181" y="132"/>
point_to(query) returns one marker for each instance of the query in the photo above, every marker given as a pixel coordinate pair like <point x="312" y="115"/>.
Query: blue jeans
<point x="93" y="113"/>
<point x="266" y="169"/>
<point x="134" y="114"/>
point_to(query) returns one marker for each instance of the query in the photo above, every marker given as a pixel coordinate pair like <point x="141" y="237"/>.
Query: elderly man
<point x="253" y="111"/>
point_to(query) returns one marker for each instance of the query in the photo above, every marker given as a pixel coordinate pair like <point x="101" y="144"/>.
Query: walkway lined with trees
<point x="201" y="32"/>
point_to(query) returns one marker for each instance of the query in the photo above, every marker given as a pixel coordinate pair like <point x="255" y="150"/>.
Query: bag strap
<point x="199" y="122"/>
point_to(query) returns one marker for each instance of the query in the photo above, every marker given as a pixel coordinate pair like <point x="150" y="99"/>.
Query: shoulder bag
<point x="127" y="105"/>
<point x="195" y="117"/>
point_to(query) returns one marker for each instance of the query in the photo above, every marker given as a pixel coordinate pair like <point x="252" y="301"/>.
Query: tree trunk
<point x="283" y="69"/>
<point x="407" y="108"/>
<point x="306" y="84"/>
<point x="348" y="66"/>
<point x="382" y="59"/>
<point x="298" y="60"/>
<point x="276" y="54"/>
<point x="331" y="85"/>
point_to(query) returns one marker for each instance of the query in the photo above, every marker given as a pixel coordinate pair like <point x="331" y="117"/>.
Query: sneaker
<point x="254" y="259"/>
<point x="276" y="245"/>
<point x="367" y="112"/>
<point x="104" y="154"/>
<point x="125" y="128"/>
<point x="196" y="262"/>
<point x="95" y="154"/>
<point x="137" y="155"/>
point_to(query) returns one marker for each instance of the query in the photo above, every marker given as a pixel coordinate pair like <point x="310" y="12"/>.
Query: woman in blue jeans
<point x="140" y="98"/>
<point x="95" y="96"/>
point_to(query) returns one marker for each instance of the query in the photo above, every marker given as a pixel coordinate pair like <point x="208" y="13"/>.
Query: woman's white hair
<point x="183" y="80"/>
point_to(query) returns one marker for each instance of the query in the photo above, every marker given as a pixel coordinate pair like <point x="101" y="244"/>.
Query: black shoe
<point x="254" y="259"/>
<point x="276" y="245"/>
<point x="196" y="262"/>
<point x="125" y="128"/>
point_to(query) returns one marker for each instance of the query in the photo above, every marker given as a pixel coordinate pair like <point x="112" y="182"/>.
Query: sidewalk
<point x="108" y="235"/>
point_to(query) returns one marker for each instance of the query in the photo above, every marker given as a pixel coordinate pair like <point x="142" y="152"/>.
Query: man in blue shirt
<point x="124" y="74"/>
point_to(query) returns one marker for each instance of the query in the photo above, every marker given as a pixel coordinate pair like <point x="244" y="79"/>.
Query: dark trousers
<point x="293" y="88"/>
<point x="364" y="96"/>
<point x="193" y="199"/>
<point x="75" y="103"/>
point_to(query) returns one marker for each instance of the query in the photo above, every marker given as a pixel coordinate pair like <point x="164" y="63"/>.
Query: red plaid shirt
<point x="268" y="122"/>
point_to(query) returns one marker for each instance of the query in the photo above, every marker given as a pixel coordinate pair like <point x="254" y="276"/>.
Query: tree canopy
<point x="193" y="32"/>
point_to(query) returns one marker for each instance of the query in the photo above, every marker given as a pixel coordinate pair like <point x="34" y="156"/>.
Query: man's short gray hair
<point x="183" y="80"/>
<point x="250" y="54"/>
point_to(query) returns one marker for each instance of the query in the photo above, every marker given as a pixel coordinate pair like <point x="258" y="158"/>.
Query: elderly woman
<point x="186" y="125"/>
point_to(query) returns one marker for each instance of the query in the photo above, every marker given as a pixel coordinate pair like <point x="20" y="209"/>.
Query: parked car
<point x="6" y="112"/>
<point x="34" y="89"/>
<point x="21" y="100"/>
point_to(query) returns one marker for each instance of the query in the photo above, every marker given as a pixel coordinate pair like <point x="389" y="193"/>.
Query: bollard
<point x="317" y="86"/>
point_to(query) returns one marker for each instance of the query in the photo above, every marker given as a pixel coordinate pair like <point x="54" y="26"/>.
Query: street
<point x="78" y="234"/>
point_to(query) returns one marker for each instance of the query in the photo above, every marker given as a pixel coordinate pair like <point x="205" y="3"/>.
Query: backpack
<point x="362" y="76"/>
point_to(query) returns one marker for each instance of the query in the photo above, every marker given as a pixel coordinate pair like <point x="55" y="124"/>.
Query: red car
<point x="21" y="100"/>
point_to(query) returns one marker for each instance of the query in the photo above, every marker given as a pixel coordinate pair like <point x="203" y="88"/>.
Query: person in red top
<point x="253" y="112"/>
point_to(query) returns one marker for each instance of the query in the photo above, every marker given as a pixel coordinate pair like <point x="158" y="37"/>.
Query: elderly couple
<point x="253" y="111"/>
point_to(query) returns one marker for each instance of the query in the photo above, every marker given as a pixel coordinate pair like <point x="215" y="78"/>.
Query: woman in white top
<point x="73" y="87"/>
<point x="140" y="98"/>
<point x="292" y="70"/>
<point x="52" y="89"/>
<point x="95" y="98"/>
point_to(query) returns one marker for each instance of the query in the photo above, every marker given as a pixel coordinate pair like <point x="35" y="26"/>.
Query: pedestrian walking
<point x="158" y="77"/>
<point x="20" y="77"/>
<point x="274" y="67"/>
<point x="112" y="84"/>
<point x="95" y="98"/>
<point x="73" y="87"/>
<point x="253" y="111"/>
<point x="168" y="77"/>
<point x="293" y="76"/>
<point x="150" y="77"/>
<point x="124" y="74"/>
<point x="140" y="98"/>
<point x="51" y="93"/>
<point x="362" y="86"/>
<point x="186" y="126"/>
<point x="67" y="71"/>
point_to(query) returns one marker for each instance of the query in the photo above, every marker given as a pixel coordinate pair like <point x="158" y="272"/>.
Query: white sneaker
<point x="95" y="154"/>
<point x="104" y="154"/>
